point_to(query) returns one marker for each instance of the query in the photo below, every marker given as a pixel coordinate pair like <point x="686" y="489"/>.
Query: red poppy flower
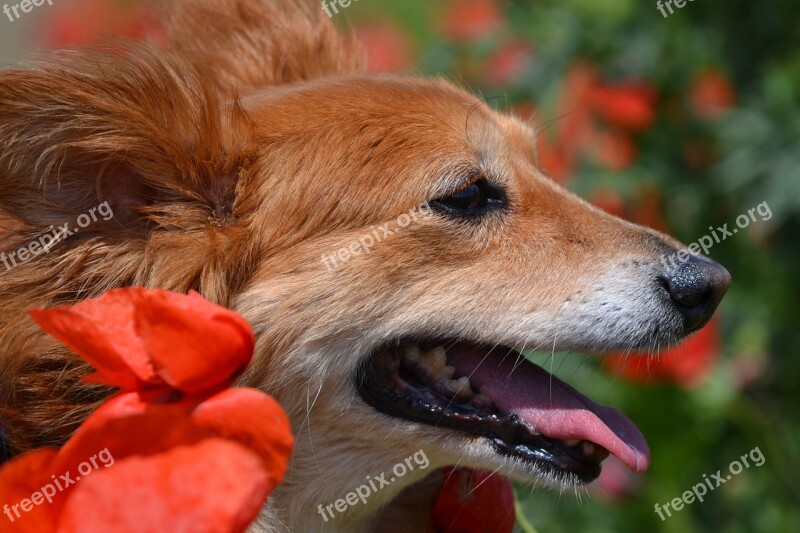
<point x="712" y="94"/>
<point x="474" y="501"/>
<point x="386" y="47"/>
<point x="687" y="364"/>
<point x="469" y="20"/>
<point x="629" y="105"/>
<point x="183" y="450"/>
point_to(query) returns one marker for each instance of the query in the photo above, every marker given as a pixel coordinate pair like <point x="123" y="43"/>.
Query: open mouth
<point x="495" y="393"/>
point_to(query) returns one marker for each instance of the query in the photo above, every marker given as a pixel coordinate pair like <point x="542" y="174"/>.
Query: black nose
<point x="696" y="287"/>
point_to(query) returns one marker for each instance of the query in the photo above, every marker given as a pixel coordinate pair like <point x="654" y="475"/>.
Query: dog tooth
<point x="588" y="448"/>
<point x="571" y="442"/>
<point x="411" y="352"/>
<point x="440" y="357"/>
<point x="434" y="360"/>
<point x="460" y="385"/>
<point x="447" y="372"/>
<point x="481" y="401"/>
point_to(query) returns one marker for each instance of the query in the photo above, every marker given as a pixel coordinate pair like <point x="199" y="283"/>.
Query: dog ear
<point x="136" y="127"/>
<point x="250" y="44"/>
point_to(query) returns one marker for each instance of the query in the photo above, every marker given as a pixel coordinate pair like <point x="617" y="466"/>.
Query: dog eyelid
<point x="475" y="198"/>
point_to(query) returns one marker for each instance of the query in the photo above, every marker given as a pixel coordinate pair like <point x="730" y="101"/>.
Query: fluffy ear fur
<point x="136" y="129"/>
<point x="136" y="126"/>
<point x="159" y="134"/>
<point x="256" y="43"/>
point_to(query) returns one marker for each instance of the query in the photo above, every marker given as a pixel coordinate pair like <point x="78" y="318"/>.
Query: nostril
<point x="663" y="281"/>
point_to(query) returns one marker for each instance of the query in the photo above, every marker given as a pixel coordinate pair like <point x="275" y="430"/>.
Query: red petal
<point x="126" y="425"/>
<point x="195" y="345"/>
<point x="20" y="479"/>
<point x="474" y="501"/>
<point x="215" y="486"/>
<point x="138" y="338"/>
<point x="255" y="420"/>
<point x="129" y="425"/>
<point x="101" y="331"/>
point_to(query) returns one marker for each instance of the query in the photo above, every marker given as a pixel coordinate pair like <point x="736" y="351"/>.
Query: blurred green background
<point x="682" y="123"/>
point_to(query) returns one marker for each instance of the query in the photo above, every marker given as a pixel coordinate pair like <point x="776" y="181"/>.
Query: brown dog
<point x="391" y="240"/>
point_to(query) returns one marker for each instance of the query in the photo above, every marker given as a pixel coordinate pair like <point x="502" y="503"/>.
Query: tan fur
<point x="233" y="160"/>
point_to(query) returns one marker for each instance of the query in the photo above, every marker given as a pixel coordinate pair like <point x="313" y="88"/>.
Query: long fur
<point x="160" y="132"/>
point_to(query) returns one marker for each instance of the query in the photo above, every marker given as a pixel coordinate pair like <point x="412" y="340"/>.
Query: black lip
<point x="508" y="433"/>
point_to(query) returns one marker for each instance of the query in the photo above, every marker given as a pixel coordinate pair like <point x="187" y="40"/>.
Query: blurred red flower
<point x="508" y="62"/>
<point x="712" y="94"/>
<point x="648" y="209"/>
<point x="555" y="159"/>
<point x="83" y="22"/>
<point x="575" y="120"/>
<point x="184" y="449"/>
<point x="474" y="501"/>
<point x="609" y="201"/>
<point x="614" y="149"/>
<point x="687" y="364"/>
<point x="628" y="108"/>
<point x="629" y="105"/>
<point x="470" y="20"/>
<point x="386" y="47"/>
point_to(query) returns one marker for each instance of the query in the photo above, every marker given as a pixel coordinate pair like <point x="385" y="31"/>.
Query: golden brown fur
<point x="146" y="128"/>
<point x="233" y="159"/>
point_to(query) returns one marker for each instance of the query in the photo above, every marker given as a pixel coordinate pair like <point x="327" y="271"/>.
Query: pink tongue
<point x="550" y="406"/>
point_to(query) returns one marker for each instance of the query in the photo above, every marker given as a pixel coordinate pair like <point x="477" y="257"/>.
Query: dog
<point x="252" y="146"/>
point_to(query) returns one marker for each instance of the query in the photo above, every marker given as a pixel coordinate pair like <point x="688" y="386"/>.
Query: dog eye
<point x="476" y="199"/>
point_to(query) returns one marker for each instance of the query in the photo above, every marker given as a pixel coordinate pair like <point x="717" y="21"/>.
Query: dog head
<point x="411" y="278"/>
<point x="393" y="241"/>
